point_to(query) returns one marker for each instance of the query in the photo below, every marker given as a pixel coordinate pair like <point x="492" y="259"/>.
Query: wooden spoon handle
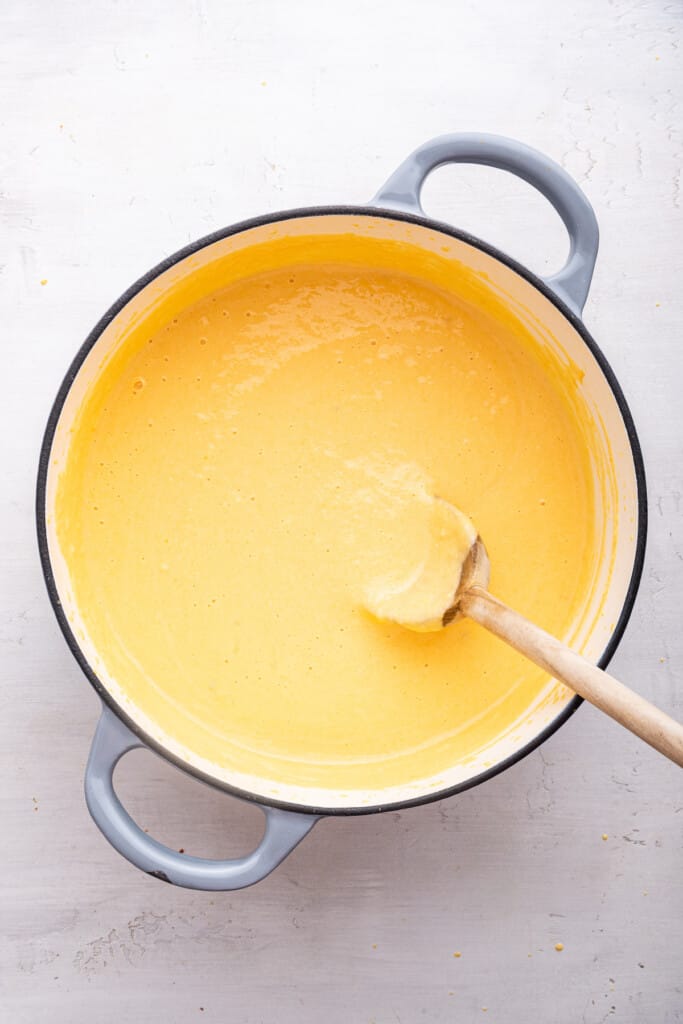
<point x="626" y="707"/>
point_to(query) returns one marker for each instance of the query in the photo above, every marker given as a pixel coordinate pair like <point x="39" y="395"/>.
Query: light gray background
<point x="129" y="129"/>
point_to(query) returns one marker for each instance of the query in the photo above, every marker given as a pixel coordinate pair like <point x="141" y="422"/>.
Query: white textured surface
<point x="129" y="129"/>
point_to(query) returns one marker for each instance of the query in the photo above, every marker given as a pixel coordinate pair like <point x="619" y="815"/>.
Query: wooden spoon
<point x="623" y="705"/>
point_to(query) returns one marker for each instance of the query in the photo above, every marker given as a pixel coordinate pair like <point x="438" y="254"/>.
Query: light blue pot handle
<point x="284" y="829"/>
<point x="402" y="192"/>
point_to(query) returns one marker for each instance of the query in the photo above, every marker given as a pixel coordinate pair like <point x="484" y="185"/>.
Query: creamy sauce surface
<point x="240" y="472"/>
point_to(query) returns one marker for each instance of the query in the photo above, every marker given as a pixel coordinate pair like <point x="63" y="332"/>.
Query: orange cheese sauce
<point x="245" y="463"/>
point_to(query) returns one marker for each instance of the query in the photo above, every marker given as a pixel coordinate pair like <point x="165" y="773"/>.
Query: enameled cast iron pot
<point x="556" y="303"/>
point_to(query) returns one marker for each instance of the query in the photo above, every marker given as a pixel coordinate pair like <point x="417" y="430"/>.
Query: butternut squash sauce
<point x="240" y="471"/>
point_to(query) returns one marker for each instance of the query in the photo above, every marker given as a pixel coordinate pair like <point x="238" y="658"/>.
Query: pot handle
<point x="284" y="829"/>
<point x="402" y="192"/>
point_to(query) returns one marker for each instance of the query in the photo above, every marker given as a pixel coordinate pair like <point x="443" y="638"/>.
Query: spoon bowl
<point x="476" y="573"/>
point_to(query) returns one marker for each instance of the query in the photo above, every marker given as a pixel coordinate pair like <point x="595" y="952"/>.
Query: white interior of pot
<point x="609" y="441"/>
